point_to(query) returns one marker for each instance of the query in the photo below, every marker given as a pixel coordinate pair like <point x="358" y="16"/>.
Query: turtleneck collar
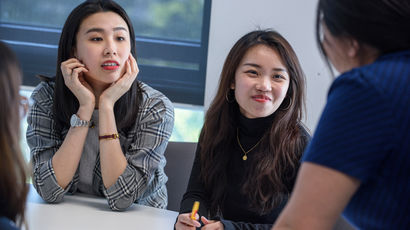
<point x="254" y="127"/>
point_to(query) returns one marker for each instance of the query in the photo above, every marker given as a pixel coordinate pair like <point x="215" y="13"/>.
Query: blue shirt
<point x="6" y="224"/>
<point x="364" y="132"/>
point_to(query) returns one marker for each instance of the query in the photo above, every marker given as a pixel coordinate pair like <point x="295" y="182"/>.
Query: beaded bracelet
<point x="109" y="137"/>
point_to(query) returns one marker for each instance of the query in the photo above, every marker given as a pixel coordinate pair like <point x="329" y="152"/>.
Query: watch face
<point x="73" y="120"/>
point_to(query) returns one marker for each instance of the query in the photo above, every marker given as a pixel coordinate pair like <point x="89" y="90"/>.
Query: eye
<point x="252" y="72"/>
<point x="96" y="39"/>
<point x="278" y="77"/>
<point x="121" y="38"/>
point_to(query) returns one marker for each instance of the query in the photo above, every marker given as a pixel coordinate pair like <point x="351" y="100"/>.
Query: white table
<point x="87" y="212"/>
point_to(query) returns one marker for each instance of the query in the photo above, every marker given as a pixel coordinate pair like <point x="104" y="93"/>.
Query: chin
<point x="266" y="114"/>
<point x="111" y="78"/>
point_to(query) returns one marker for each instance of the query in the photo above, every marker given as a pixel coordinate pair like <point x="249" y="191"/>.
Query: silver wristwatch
<point x="75" y="121"/>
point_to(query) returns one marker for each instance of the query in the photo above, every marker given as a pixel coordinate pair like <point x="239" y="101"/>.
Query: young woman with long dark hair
<point x="252" y="139"/>
<point x="97" y="129"/>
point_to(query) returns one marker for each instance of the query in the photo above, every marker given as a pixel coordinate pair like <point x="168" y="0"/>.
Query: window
<point x="171" y="38"/>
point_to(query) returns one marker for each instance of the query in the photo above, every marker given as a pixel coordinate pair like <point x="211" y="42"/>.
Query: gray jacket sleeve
<point x="44" y="142"/>
<point x="143" y="180"/>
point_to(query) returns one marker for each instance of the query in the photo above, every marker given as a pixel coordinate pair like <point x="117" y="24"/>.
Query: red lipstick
<point x="261" y="98"/>
<point x="110" y="65"/>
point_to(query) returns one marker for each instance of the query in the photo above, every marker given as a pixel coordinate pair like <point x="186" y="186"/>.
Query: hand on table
<point x="211" y="224"/>
<point x="185" y="222"/>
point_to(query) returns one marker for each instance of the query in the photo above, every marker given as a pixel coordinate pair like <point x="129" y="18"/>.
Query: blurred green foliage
<point x="168" y="19"/>
<point x="187" y="125"/>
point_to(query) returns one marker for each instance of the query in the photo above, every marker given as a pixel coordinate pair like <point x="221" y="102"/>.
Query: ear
<point x="74" y="52"/>
<point x="232" y="85"/>
<point x="353" y="47"/>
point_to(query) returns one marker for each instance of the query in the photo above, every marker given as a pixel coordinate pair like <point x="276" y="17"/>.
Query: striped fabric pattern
<point x="143" y="180"/>
<point x="364" y="132"/>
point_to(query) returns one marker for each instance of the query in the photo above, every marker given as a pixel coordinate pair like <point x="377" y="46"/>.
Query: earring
<point x="289" y="104"/>
<point x="230" y="92"/>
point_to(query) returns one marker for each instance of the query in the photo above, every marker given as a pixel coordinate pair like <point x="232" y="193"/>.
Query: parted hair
<point x="65" y="103"/>
<point x="277" y="160"/>
<point x="13" y="186"/>
<point x="382" y="24"/>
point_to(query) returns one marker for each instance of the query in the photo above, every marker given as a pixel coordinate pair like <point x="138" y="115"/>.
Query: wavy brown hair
<point x="13" y="187"/>
<point x="272" y="174"/>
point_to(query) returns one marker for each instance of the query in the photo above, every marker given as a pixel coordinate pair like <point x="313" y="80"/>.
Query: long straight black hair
<point x="65" y="103"/>
<point x="382" y="24"/>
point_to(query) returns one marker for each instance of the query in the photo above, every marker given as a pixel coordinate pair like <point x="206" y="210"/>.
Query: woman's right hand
<point x="73" y="72"/>
<point x="185" y="222"/>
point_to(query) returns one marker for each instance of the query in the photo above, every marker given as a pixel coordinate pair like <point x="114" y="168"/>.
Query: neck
<point x="367" y="55"/>
<point x="97" y="89"/>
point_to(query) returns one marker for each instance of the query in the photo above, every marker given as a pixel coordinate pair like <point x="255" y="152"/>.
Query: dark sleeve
<point x="6" y="224"/>
<point x="305" y="138"/>
<point x="230" y="225"/>
<point x="305" y="134"/>
<point x="195" y="190"/>
<point x="355" y="132"/>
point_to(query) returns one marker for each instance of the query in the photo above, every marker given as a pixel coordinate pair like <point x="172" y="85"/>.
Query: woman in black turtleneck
<point x="252" y="139"/>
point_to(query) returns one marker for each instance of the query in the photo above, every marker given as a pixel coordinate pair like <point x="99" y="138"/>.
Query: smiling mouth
<point x="261" y="98"/>
<point x="110" y="65"/>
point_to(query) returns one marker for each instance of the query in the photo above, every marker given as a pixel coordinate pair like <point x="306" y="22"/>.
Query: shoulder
<point x="384" y="76"/>
<point x="353" y="79"/>
<point x="43" y="92"/>
<point x="6" y="224"/>
<point x="152" y="99"/>
<point x="304" y="132"/>
<point x="43" y="96"/>
<point x="382" y="86"/>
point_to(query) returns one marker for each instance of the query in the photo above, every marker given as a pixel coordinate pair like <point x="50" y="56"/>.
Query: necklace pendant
<point x="244" y="158"/>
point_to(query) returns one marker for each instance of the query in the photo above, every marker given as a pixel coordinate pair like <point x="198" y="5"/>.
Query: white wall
<point x="294" y="19"/>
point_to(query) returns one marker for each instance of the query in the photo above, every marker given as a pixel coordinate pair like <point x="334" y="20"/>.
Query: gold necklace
<point x="244" y="157"/>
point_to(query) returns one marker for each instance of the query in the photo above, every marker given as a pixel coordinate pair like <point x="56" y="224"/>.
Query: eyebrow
<point x="258" y="66"/>
<point x="100" y="30"/>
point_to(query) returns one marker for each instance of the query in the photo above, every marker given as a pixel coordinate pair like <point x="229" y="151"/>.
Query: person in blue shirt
<point x="359" y="158"/>
<point x="13" y="187"/>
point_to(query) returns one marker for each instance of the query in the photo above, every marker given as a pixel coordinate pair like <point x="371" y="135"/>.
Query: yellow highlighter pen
<point x="194" y="210"/>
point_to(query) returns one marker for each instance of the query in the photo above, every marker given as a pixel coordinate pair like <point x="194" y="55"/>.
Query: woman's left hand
<point x="211" y="224"/>
<point x="122" y="85"/>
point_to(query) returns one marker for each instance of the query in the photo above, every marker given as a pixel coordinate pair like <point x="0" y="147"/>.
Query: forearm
<point x="112" y="159"/>
<point x="65" y="161"/>
<point x="141" y="177"/>
<point x="319" y="196"/>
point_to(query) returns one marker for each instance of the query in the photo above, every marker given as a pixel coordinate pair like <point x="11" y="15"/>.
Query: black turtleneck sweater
<point x="235" y="210"/>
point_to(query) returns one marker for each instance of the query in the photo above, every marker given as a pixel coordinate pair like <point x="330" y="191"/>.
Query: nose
<point x="110" y="48"/>
<point x="109" y="51"/>
<point x="264" y="83"/>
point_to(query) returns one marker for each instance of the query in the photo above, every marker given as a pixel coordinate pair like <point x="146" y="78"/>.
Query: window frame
<point x="36" y="48"/>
